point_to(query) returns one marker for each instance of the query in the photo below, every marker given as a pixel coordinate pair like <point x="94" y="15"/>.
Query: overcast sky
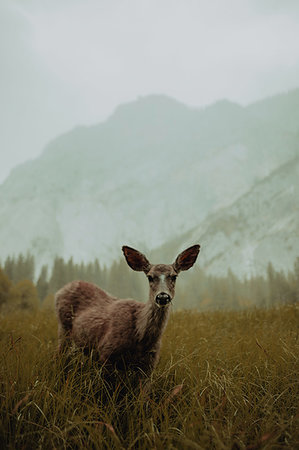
<point x="69" y="62"/>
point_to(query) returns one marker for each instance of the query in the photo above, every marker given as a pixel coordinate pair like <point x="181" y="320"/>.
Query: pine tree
<point x="97" y="273"/>
<point x="58" y="276"/>
<point x="42" y="284"/>
<point x="9" y="267"/>
<point x="296" y="278"/>
<point x="70" y="270"/>
<point x="272" y="295"/>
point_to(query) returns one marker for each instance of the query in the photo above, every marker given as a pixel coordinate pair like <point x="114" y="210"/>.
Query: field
<point x="226" y="380"/>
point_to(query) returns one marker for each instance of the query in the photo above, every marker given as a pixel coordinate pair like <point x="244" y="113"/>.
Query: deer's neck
<point x="151" y="323"/>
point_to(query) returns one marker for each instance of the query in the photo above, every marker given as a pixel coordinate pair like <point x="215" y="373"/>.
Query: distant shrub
<point x="23" y="295"/>
<point x="5" y="286"/>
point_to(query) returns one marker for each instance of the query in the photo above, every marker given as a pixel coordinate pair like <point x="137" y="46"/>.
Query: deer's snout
<point x="163" y="299"/>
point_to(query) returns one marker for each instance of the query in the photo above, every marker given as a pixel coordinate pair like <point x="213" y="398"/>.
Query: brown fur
<point x="123" y="332"/>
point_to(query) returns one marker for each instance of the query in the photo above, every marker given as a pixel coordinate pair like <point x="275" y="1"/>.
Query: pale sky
<point x="71" y="62"/>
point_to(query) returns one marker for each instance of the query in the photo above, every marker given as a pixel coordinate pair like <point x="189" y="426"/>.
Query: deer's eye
<point x="173" y="277"/>
<point x="150" y="278"/>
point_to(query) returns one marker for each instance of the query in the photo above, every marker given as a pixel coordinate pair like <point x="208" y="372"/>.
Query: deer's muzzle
<point x="163" y="299"/>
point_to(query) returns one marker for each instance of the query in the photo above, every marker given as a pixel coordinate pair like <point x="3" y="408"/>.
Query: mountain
<point x="154" y="170"/>
<point x="281" y="110"/>
<point x="261" y="226"/>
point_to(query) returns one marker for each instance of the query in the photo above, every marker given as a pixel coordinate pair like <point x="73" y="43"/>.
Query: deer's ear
<point x="187" y="258"/>
<point x="136" y="260"/>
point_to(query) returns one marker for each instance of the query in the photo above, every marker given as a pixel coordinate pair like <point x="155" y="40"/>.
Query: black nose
<point x="163" y="299"/>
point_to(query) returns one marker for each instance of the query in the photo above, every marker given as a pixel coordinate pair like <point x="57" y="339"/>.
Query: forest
<point x="21" y="288"/>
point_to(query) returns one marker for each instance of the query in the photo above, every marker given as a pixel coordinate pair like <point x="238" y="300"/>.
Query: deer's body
<point x="122" y="332"/>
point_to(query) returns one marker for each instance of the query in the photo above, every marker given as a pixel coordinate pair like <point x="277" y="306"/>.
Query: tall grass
<point x="227" y="380"/>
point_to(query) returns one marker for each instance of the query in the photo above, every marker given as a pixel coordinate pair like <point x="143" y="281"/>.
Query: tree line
<point x="195" y="289"/>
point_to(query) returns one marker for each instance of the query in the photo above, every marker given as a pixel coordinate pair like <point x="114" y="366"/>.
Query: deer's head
<point x="161" y="277"/>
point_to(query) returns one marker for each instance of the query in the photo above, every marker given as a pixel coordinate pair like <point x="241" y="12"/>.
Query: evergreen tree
<point x="42" y="284"/>
<point x="97" y="273"/>
<point x="59" y="275"/>
<point x="296" y="278"/>
<point x="70" y="270"/>
<point x="272" y="295"/>
<point x="19" y="273"/>
<point x="9" y="267"/>
<point x="233" y="288"/>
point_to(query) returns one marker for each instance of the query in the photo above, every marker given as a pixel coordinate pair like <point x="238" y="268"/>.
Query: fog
<point x="69" y="62"/>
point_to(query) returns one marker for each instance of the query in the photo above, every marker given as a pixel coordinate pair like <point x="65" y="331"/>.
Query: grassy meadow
<point x="226" y="380"/>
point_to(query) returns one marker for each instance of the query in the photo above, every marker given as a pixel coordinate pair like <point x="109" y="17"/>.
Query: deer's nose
<point x="163" y="299"/>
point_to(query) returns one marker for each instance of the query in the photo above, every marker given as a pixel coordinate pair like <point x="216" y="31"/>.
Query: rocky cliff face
<point x="261" y="226"/>
<point x="151" y="172"/>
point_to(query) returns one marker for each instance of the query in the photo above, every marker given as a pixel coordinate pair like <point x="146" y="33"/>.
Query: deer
<point x="122" y="332"/>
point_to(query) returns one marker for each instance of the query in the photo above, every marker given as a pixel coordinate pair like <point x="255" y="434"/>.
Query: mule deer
<point x="121" y="331"/>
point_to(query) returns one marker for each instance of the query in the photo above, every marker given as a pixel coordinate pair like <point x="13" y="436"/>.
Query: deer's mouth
<point x="163" y="299"/>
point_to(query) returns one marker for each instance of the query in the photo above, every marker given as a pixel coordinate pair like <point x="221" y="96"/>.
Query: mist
<point x="69" y="63"/>
<point x="157" y="125"/>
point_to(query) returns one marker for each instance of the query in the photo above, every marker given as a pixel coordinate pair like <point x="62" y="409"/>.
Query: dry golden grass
<point x="226" y="380"/>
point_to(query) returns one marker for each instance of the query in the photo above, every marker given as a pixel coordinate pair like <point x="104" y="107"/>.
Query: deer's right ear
<point x="136" y="260"/>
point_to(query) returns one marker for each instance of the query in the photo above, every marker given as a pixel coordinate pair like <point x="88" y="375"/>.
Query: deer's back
<point x="78" y="296"/>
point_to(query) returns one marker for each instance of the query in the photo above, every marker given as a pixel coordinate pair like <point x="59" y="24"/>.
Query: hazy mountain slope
<point x="259" y="227"/>
<point x="282" y="110"/>
<point x="149" y="173"/>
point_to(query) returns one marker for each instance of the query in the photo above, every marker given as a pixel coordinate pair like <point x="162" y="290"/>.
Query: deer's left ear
<point x="187" y="258"/>
<point x="136" y="260"/>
